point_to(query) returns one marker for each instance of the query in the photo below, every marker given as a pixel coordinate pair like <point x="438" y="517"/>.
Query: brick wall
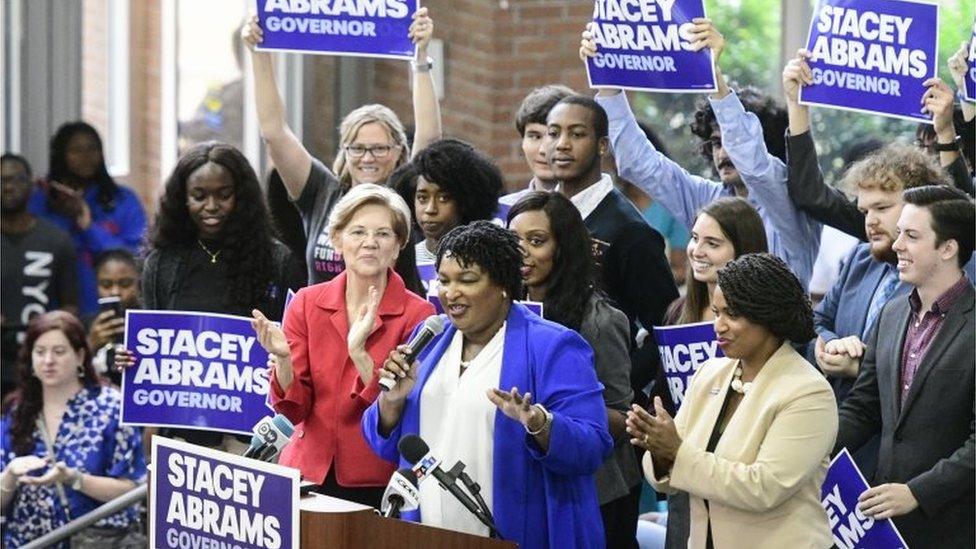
<point x="144" y="91"/>
<point x="494" y="56"/>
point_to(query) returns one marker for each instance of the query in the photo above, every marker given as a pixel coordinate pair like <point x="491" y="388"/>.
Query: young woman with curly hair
<point x="449" y="183"/>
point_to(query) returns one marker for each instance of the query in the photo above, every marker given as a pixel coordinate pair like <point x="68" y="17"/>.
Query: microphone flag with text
<point x="415" y="450"/>
<point x="401" y="494"/>
<point x="271" y="435"/>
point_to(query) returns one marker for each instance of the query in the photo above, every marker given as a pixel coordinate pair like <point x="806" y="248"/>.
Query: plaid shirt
<point x="922" y="329"/>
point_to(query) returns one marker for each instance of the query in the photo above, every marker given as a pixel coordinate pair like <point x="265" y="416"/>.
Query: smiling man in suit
<point x="916" y="384"/>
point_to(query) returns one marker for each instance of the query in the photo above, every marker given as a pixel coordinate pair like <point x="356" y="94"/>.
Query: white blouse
<point x="458" y="422"/>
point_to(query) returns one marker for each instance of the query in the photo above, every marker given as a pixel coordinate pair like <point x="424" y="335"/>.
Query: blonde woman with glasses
<point x="372" y="143"/>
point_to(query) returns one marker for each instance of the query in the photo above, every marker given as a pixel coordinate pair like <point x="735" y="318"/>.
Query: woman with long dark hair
<point x="64" y="451"/>
<point x="213" y="248"/>
<point x="81" y="197"/>
<point x="557" y="270"/>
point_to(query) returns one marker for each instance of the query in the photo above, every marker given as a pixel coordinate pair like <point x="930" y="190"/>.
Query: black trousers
<point x="367" y="495"/>
<point x="620" y="520"/>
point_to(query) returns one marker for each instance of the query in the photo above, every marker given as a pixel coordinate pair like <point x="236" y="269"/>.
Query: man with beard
<point x="38" y="263"/>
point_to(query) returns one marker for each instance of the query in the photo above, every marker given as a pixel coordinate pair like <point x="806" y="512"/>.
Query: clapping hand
<point x="656" y="434"/>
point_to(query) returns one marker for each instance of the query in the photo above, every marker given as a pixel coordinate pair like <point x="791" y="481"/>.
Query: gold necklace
<point x="213" y="256"/>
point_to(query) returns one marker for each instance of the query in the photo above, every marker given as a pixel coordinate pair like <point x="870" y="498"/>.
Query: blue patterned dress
<point x="89" y="438"/>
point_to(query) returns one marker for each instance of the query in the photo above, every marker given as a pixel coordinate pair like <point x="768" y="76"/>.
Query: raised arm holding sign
<point x="872" y="56"/>
<point x="654" y="46"/>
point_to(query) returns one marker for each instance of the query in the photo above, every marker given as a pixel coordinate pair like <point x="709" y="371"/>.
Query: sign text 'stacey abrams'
<point x="201" y="370"/>
<point x="872" y="55"/>
<point x="371" y="28"/>
<point x="646" y="45"/>
<point x="204" y="498"/>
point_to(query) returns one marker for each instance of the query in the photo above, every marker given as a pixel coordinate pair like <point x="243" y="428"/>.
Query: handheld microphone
<point x="401" y="494"/>
<point x="271" y="435"/>
<point x="416" y="451"/>
<point x="432" y="328"/>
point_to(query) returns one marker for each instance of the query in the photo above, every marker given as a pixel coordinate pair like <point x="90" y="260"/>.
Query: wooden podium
<point x="339" y="524"/>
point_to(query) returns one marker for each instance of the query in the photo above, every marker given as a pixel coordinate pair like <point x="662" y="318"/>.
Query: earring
<point x="81" y="371"/>
<point x="504" y="294"/>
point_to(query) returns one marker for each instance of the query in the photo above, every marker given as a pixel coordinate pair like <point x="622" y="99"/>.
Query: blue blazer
<point x="539" y="499"/>
<point x="844" y="308"/>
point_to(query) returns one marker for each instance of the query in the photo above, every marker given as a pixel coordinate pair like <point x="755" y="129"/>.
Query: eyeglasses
<point x="358" y="234"/>
<point x="378" y="151"/>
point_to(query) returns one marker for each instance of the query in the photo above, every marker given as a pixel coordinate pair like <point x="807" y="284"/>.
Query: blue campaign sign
<point x="970" y="91"/>
<point x="872" y="56"/>
<point x="851" y="528"/>
<point x="366" y="28"/>
<point x="646" y="46"/>
<point x="684" y="348"/>
<point x="428" y="276"/>
<point x="206" y="498"/>
<point x="194" y="370"/>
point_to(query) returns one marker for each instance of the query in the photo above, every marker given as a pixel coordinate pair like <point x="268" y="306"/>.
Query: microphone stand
<point x="457" y="472"/>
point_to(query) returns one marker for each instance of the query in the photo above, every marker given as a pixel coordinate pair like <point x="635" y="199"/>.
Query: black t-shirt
<point x="38" y="275"/>
<point x="185" y="279"/>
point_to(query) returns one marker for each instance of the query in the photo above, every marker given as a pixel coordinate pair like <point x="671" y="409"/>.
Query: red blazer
<point x="327" y="398"/>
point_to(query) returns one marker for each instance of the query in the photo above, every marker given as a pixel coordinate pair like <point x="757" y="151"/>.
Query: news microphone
<point x="432" y="328"/>
<point x="401" y="494"/>
<point x="416" y="451"/>
<point x="271" y="435"/>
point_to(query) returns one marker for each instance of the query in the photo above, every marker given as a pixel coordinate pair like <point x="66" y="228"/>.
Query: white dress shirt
<point x="589" y="198"/>
<point x="458" y="422"/>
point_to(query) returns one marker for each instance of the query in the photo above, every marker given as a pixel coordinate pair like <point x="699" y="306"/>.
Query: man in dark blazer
<point x="916" y="384"/>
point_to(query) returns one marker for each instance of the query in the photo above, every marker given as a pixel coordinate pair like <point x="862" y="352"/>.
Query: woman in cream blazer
<point x="752" y="440"/>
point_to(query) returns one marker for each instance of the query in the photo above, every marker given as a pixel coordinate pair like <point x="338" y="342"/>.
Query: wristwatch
<point x="545" y="424"/>
<point x="76" y="480"/>
<point x="949" y="147"/>
<point x="423" y="67"/>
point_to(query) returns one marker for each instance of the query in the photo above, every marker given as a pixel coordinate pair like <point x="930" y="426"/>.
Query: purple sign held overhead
<point x="194" y="370"/>
<point x="646" y="45"/>
<point x="366" y="28"/>
<point x="872" y="56"/>
<point x="684" y="348"/>
<point x="206" y="498"/>
<point x="852" y="528"/>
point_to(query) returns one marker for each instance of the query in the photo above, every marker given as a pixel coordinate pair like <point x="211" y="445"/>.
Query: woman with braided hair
<point x="752" y="440"/>
<point x="513" y="396"/>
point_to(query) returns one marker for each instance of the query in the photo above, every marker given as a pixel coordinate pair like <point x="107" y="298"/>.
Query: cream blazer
<point x="763" y="481"/>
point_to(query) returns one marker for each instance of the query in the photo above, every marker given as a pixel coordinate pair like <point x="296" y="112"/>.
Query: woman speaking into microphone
<point x="512" y="396"/>
<point x="335" y="336"/>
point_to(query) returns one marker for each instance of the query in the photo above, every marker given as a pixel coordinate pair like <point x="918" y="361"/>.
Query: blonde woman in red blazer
<point x="336" y="335"/>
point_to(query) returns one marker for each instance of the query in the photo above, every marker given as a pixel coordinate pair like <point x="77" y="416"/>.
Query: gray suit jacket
<point x="927" y="443"/>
